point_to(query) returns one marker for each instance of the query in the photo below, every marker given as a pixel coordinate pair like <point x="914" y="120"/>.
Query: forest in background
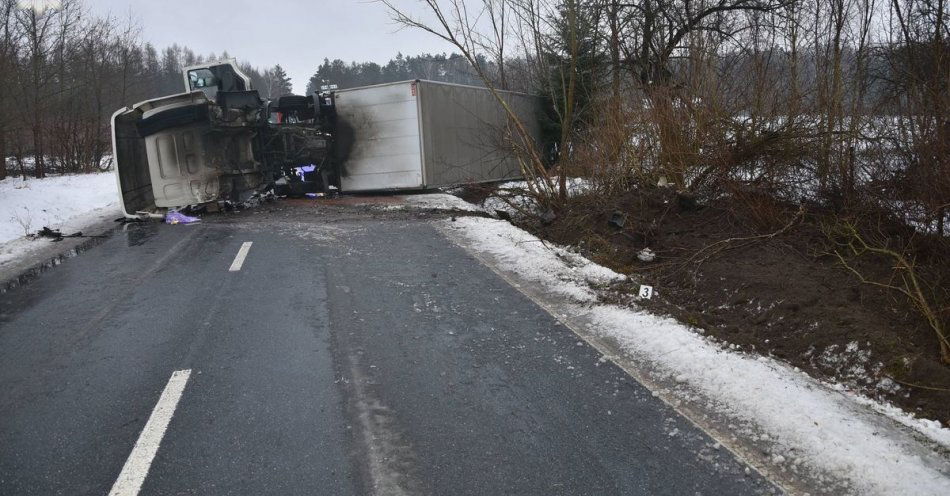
<point x="452" y="68"/>
<point x="63" y="72"/>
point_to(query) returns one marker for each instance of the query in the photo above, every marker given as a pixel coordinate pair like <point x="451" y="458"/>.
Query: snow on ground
<point x="436" y="201"/>
<point x="511" y="196"/>
<point x="809" y="427"/>
<point x="68" y="202"/>
<point x="513" y="192"/>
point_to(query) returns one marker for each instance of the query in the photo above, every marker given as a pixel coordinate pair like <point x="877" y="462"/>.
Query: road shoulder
<point x="23" y="259"/>
<point x="803" y="435"/>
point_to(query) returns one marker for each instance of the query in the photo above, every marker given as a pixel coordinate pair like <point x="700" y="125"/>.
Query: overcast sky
<point x="297" y="34"/>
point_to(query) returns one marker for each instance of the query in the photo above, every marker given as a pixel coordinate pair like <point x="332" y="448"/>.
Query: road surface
<point x="332" y="350"/>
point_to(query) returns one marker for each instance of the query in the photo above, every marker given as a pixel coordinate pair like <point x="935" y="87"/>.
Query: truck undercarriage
<point x="222" y="142"/>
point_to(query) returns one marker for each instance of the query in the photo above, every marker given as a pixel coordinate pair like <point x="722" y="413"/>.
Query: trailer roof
<point x="430" y="81"/>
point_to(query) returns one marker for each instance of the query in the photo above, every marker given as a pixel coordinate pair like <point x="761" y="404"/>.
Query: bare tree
<point x="8" y="53"/>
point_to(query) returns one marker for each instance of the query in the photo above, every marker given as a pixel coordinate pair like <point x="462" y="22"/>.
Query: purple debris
<point x="176" y="217"/>
<point x="300" y="171"/>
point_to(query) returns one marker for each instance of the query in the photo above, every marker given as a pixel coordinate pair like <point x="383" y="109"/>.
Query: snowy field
<point x="62" y="202"/>
<point x="69" y="203"/>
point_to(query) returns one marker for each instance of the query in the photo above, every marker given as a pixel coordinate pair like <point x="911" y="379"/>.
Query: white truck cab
<point x="223" y="75"/>
<point x="189" y="148"/>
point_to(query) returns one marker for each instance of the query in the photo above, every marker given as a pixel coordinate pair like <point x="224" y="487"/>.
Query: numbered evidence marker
<point x="646" y="291"/>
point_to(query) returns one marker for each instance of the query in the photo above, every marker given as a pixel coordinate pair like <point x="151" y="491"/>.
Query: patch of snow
<point x="853" y="366"/>
<point x="563" y="271"/>
<point x="830" y="429"/>
<point x="512" y="197"/>
<point x="68" y="203"/>
<point x="435" y="201"/>
<point x="511" y="203"/>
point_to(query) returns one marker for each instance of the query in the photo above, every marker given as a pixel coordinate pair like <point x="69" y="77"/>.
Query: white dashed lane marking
<point x="136" y="467"/>
<point x="241" y="255"/>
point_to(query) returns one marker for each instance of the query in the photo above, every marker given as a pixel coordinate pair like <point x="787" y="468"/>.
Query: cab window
<point x="201" y="78"/>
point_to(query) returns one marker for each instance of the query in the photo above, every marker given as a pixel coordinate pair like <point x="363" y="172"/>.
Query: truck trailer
<point x="220" y="142"/>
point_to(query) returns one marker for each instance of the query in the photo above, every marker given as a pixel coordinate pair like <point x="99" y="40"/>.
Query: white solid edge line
<point x="136" y="467"/>
<point x="241" y="255"/>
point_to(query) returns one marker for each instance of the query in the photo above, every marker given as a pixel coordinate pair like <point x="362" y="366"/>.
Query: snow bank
<point x="69" y="203"/>
<point x="61" y="202"/>
<point x="511" y="196"/>
<point x="559" y="270"/>
<point x="438" y="201"/>
<point x="810" y="427"/>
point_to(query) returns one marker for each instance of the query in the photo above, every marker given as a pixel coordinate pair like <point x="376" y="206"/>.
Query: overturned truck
<point x="220" y="142"/>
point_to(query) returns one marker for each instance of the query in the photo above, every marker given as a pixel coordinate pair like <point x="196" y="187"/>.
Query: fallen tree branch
<point x="711" y="250"/>
<point x="911" y="285"/>
<point x="919" y="386"/>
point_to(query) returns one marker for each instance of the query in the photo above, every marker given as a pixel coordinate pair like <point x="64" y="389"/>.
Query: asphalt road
<point x="353" y="352"/>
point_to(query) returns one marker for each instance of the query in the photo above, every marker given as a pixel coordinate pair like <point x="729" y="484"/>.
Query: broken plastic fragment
<point x="617" y="219"/>
<point x="646" y="255"/>
<point x="303" y="170"/>
<point x="176" y="217"/>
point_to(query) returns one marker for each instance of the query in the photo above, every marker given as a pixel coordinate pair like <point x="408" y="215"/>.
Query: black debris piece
<point x="55" y="235"/>
<point x="617" y="219"/>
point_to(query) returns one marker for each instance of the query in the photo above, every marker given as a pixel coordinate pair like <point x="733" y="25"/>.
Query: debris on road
<point x="176" y="217"/>
<point x="53" y="234"/>
<point x="56" y="235"/>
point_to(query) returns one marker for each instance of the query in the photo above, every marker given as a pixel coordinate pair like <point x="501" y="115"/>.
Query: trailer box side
<point x="426" y="134"/>
<point x="465" y="133"/>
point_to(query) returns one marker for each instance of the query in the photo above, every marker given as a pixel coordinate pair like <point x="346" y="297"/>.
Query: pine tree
<point x="280" y="82"/>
